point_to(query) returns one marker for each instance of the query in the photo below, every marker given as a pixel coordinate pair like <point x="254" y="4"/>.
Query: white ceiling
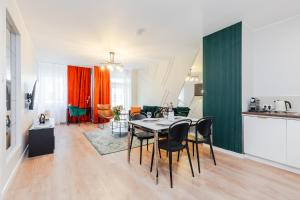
<point x="84" y="31"/>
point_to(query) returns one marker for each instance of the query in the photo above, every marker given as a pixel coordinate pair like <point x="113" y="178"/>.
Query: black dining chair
<point x="140" y="134"/>
<point x="175" y="142"/>
<point x="203" y="132"/>
<point x="161" y="134"/>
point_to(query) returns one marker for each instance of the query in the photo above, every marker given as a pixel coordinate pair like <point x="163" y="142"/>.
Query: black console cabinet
<point x="41" y="138"/>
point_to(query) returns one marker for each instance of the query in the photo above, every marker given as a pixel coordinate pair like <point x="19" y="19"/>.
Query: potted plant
<point x="117" y="111"/>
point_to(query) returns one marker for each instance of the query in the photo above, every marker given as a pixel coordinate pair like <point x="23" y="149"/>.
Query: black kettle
<point x="42" y="118"/>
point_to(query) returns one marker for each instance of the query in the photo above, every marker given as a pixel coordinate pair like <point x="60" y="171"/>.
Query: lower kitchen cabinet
<point x="293" y="143"/>
<point x="265" y="137"/>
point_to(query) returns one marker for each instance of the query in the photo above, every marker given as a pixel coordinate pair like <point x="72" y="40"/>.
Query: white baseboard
<point x="257" y="159"/>
<point x="13" y="174"/>
<point x="239" y="155"/>
<point x="274" y="164"/>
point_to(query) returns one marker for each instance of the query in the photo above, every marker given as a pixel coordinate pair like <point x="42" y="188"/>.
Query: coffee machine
<point x="254" y="105"/>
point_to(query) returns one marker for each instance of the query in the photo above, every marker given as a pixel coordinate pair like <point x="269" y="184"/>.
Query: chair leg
<point x="99" y="123"/>
<point x="170" y="166"/>
<point x="193" y="148"/>
<point x="152" y="157"/>
<point x="198" y="160"/>
<point x="188" y="153"/>
<point x="178" y="155"/>
<point x="147" y="144"/>
<point x="159" y="153"/>
<point x="141" y="151"/>
<point x="131" y="143"/>
<point x="212" y="151"/>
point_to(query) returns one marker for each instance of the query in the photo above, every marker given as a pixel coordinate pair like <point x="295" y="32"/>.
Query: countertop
<point x="293" y="115"/>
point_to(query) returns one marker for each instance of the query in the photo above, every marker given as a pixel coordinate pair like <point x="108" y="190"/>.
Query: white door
<point x="265" y="137"/>
<point x="293" y="143"/>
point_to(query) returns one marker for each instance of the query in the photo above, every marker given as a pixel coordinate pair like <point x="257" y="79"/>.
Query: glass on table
<point x="165" y="115"/>
<point x="149" y="114"/>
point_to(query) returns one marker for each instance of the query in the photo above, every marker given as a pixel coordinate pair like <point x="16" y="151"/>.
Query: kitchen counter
<point x="293" y="115"/>
<point x="273" y="137"/>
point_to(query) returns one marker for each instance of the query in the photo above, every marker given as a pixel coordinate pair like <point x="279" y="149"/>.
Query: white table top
<point x="48" y="124"/>
<point x="153" y="125"/>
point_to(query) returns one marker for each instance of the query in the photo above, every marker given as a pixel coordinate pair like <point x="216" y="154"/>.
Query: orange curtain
<point x="101" y="89"/>
<point x="79" y="89"/>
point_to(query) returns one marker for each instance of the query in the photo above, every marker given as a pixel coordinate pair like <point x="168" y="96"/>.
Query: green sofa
<point x="178" y="111"/>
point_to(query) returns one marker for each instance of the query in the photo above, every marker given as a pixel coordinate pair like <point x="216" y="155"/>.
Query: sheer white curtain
<point x="53" y="90"/>
<point x="120" y="83"/>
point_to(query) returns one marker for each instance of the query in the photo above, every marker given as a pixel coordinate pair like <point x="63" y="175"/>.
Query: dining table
<point x="154" y="125"/>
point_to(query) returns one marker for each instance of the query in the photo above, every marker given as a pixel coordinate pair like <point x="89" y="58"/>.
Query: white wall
<point x="276" y="61"/>
<point x="134" y="88"/>
<point x="247" y="65"/>
<point x="27" y="76"/>
<point x="161" y="81"/>
<point x="2" y="91"/>
<point x="187" y="95"/>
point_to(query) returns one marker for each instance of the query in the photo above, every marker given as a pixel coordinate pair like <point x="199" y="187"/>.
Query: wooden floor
<point x="77" y="171"/>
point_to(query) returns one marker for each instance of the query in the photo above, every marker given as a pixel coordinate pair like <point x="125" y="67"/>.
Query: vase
<point x="117" y="117"/>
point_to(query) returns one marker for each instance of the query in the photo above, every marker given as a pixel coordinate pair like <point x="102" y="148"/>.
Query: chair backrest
<point x="76" y="111"/>
<point x="138" y="116"/>
<point x="179" y="130"/>
<point x="73" y="110"/>
<point x="104" y="110"/>
<point x="203" y="127"/>
<point x="103" y="106"/>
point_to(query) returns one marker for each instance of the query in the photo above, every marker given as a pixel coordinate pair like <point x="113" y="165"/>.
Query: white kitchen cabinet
<point x="265" y="137"/>
<point x="293" y="143"/>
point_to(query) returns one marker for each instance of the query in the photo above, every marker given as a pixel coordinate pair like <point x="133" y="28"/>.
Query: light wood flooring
<point x="77" y="171"/>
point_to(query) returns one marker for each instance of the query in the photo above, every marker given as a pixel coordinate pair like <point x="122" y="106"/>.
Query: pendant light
<point x="111" y="65"/>
<point x="190" y="77"/>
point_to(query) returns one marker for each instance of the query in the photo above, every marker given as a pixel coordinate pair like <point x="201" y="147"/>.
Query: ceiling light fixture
<point x="190" y="77"/>
<point x="111" y="64"/>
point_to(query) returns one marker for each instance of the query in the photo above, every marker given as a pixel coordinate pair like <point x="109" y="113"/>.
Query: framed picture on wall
<point x="198" y="89"/>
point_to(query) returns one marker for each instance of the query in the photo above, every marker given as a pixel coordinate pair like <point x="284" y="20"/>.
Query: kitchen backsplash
<point x="295" y="101"/>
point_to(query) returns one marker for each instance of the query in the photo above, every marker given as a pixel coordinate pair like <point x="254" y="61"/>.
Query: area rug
<point x="106" y="143"/>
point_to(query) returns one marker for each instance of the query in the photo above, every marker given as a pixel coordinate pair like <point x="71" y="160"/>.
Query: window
<point x="121" y="89"/>
<point x="12" y="45"/>
<point x="53" y="90"/>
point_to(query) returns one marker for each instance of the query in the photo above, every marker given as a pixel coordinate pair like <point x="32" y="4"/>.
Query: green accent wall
<point x="222" y="83"/>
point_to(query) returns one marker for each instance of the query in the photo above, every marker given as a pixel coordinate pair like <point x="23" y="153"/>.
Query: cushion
<point x="105" y="113"/>
<point x="135" y="110"/>
<point x="182" y="111"/>
<point x="144" y="135"/>
<point x="171" y="145"/>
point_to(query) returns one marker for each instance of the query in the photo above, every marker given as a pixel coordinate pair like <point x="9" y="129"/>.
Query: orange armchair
<point x="105" y="112"/>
